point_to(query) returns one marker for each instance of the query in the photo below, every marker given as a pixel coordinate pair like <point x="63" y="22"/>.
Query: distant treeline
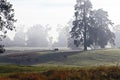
<point x="38" y="36"/>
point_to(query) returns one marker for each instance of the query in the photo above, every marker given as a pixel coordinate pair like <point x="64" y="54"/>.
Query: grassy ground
<point x="61" y="65"/>
<point x="76" y="58"/>
<point x="6" y="69"/>
<point x="95" y="57"/>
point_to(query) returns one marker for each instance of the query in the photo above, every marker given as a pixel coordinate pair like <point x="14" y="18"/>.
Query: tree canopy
<point x="6" y="18"/>
<point x="91" y="27"/>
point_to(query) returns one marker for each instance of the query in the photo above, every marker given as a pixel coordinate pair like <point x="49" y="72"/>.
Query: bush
<point x="2" y="49"/>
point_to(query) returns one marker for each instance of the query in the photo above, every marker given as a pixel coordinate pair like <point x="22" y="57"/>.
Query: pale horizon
<point x="30" y="12"/>
<point x="54" y="12"/>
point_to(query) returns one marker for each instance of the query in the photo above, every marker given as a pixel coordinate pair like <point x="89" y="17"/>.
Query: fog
<point x="35" y="36"/>
<point x="117" y="34"/>
<point x="38" y="36"/>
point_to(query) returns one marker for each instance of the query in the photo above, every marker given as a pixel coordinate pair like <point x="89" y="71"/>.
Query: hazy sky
<point x="30" y="12"/>
<point x="53" y="12"/>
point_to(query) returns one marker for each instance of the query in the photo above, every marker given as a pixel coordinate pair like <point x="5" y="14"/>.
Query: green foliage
<point x="9" y="69"/>
<point x="91" y="27"/>
<point x="99" y="32"/>
<point x="81" y="23"/>
<point x="6" y="17"/>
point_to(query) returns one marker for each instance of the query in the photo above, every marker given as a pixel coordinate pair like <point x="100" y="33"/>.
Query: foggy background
<point x="44" y="23"/>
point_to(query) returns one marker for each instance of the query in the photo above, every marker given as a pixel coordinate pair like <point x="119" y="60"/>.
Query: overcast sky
<point x="53" y="12"/>
<point x="30" y="12"/>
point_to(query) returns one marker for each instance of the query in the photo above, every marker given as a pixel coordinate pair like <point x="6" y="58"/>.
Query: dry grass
<point x="92" y="73"/>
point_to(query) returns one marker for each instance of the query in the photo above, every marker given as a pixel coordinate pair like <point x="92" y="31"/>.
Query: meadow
<point x="60" y="65"/>
<point x="61" y="57"/>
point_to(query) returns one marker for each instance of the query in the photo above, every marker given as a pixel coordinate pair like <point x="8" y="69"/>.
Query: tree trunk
<point x="85" y="45"/>
<point x="85" y="31"/>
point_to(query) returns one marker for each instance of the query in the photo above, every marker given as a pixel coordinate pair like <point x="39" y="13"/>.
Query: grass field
<point x="60" y="65"/>
<point x="49" y="57"/>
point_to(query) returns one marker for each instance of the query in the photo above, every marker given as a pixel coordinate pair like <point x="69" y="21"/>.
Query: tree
<point x="99" y="31"/>
<point x="20" y="37"/>
<point x="81" y="23"/>
<point x="63" y="34"/>
<point x="7" y="42"/>
<point x="91" y="27"/>
<point x="37" y="36"/>
<point x="6" y="18"/>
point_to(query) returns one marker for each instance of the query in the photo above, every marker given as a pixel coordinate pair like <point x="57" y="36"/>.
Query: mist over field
<point x="59" y="40"/>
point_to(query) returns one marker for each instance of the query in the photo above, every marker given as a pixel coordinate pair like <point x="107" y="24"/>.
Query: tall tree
<point x="6" y="18"/>
<point x="81" y="23"/>
<point x="91" y="27"/>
